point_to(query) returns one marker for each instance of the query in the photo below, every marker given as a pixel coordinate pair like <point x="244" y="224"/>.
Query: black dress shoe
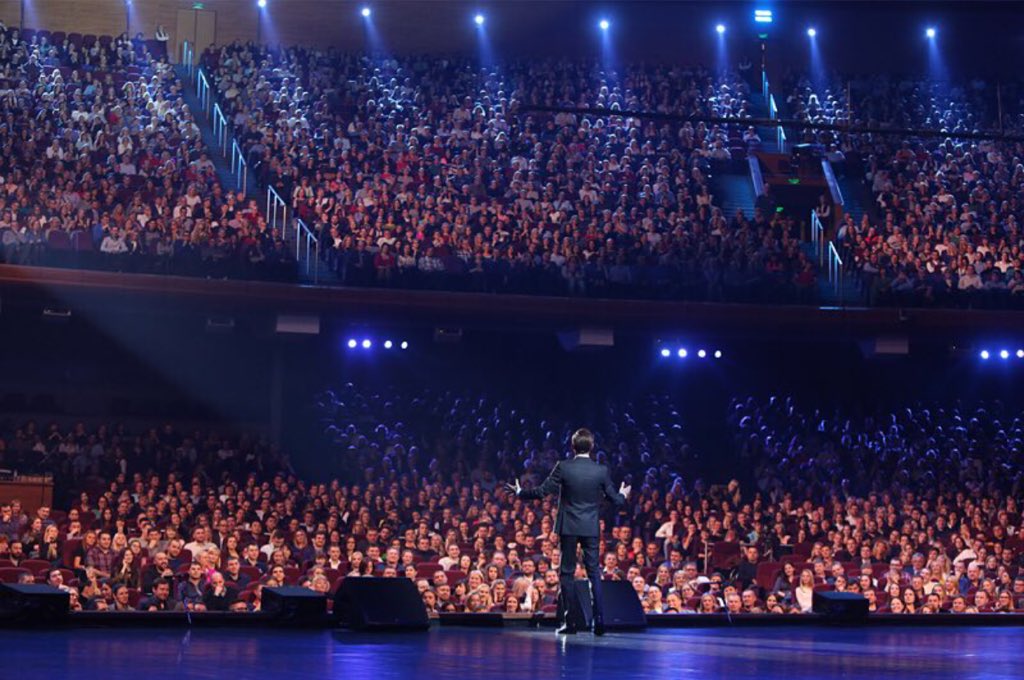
<point x="598" y="627"/>
<point x="565" y="629"/>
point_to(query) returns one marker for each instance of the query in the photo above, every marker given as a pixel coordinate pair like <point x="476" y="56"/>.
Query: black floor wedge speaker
<point x="840" y="607"/>
<point x="295" y="606"/>
<point x="33" y="604"/>
<point x="622" y="609"/>
<point x="380" y="604"/>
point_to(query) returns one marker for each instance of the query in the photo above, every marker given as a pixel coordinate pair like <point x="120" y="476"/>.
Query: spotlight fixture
<point x="930" y="32"/>
<point x="388" y="344"/>
<point x="479" y="19"/>
<point x="1004" y="354"/>
<point x="352" y="344"/>
<point x="262" y="4"/>
<point x="984" y="354"/>
<point x="404" y="345"/>
<point x="811" y="32"/>
<point x="763" y="16"/>
<point x="1020" y="354"/>
<point x="605" y="24"/>
<point x="665" y="352"/>
<point x="367" y="343"/>
<point x="720" y="28"/>
<point x="718" y="354"/>
<point x="701" y="353"/>
<point x="365" y="12"/>
<point x="682" y="353"/>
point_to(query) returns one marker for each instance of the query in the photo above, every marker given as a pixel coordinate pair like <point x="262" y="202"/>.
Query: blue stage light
<point x="763" y="16"/>
<point x="367" y="344"/>
<point x="1020" y="354"/>
<point x="665" y="352"/>
<point x="984" y="354"/>
<point x="352" y="343"/>
<point x="262" y="4"/>
<point x="718" y="354"/>
<point x="404" y="345"/>
<point x="930" y="32"/>
<point x="479" y="19"/>
<point x="605" y="24"/>
<point x="388" y="344"/>
<point x="811" y="32"/>
<point x="1004" y="354"/>
<point x="701" y="353"/>
<point x="365" y="12"/>
<point x="682" y="353"/>
<point x="720" y="28"/>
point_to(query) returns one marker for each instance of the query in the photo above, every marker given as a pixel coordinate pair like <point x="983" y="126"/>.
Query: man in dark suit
<point x="581" y="484"/>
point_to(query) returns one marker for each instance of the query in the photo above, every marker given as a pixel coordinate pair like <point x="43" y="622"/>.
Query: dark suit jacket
<point x="581" y="485"/>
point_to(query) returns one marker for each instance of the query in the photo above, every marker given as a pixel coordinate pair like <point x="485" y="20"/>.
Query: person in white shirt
<point x="200" y="542"/>
<point x="113" y="243"/>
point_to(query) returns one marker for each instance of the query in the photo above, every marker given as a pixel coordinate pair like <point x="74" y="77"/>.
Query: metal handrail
<point x="220" y="129"/>
<point x="188" y="56"/>
<point x="835" y="270"/>
<point x="818" y="238"/>
<point x="312" y="259"/>
<point x="276" y="204"/>
<point x="239" y="167"/>
<point x="203" y="91"/>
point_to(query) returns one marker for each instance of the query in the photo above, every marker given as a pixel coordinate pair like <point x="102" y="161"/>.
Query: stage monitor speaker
<point x="622" y="609"/>
<point x="296" y="606"/>
<point x="840" y="607"/>
<point x="380" y="604"/>
<point x="37" y="604"/>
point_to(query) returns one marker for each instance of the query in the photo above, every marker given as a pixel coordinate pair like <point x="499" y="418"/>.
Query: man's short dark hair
<point x="582" y="441"/>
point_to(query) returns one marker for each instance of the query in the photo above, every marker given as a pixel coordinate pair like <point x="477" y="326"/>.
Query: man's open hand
<point x="624" y="489"/>
<point x="514" y="488"/>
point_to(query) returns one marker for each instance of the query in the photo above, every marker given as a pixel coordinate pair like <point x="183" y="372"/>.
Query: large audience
<point x="439" y="173"/>
<point x="442" y="173"/>
<point x="943" y="225"/>
<point x="914" y="507"/>
<point x="104" y="166"/>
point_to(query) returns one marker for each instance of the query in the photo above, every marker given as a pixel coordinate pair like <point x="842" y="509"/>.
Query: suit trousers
<point x="567" y="573"/>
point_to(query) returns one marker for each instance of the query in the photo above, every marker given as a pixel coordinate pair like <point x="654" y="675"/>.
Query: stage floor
<point x="784" y="653"/>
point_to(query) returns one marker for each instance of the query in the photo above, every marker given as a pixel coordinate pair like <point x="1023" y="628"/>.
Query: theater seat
<point x="427" y="569"/>
<point x="12" y="574"/>
<point x="767" y="572"/>
<point x="35" y="566"/>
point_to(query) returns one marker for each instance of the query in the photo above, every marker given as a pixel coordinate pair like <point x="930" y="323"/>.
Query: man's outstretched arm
<point x="550" y="486"/>
<point x="617" y="497"/>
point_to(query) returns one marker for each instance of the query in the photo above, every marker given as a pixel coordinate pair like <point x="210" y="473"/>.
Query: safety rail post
<point x="303" y="234"/>
<point x="203" y="91"/>
<point x="239" y="167"/>
<point x="835" y="270"/>
<point x="276" y="204"/>
<point x="818" y="238"/>
<point x="188" y="56"/>
<point x="220" y="129"/>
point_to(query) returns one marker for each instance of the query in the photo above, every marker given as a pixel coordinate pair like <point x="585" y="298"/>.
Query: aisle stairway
<point x="733" y="191"/>
<point x="768" y="135"/>
<point x="221" y="164"/>
<point x="230" y="181"/>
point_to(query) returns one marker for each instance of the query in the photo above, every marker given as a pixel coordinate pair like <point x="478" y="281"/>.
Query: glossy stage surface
<point x="789" y="653"/>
